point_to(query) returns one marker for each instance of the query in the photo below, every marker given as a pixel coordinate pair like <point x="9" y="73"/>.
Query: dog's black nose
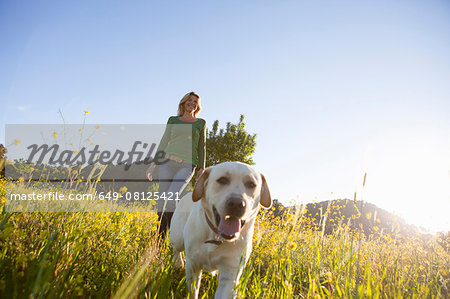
<point x="235" y="206"/>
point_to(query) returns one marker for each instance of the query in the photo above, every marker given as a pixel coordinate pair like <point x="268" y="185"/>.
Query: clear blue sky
<point x="333" y="89"/>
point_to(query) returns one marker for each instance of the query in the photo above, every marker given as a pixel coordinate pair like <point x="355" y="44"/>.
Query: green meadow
<point x="115" y="254"/>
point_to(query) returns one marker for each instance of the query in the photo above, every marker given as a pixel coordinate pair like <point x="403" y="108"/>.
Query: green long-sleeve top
<point x="176" y="139"/>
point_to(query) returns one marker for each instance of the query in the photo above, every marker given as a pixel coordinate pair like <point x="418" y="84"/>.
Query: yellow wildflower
<point x="292" y="245"/>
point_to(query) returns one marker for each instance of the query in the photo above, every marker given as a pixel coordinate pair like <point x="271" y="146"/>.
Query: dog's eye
<point x="223" y="181"/>
<point x="250" y="185"/>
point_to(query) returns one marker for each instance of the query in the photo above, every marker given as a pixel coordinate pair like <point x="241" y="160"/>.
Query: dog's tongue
<point x="230" y="226"/>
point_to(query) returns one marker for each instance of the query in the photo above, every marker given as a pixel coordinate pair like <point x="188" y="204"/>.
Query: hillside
<point x="372" y="219"/>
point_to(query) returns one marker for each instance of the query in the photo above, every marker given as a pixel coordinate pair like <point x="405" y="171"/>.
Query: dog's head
<point x="231" y="193"/>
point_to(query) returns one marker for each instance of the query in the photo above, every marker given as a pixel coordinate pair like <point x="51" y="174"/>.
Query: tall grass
<point x="116" y="254"/>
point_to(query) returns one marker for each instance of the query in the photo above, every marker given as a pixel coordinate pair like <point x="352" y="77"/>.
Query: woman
<point x="175" y="174"/>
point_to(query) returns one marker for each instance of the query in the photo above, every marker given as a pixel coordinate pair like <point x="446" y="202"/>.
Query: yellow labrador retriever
<point x="214" y="224"/>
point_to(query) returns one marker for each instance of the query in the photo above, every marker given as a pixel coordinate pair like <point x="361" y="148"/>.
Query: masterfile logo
<point x="84" y="167"/>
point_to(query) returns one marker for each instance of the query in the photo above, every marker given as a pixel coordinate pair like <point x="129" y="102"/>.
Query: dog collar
<point x="215" y="242"/>
<point x="211" y="225"/>
<point x="214" y="229"/>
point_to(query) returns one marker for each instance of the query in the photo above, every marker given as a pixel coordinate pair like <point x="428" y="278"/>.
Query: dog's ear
<point x="199" y="187"/>
<point x="265" y="198"/>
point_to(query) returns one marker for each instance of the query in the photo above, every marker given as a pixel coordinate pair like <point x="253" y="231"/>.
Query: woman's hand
<point x="150" y="170"/>
<point x="199" y="173"/>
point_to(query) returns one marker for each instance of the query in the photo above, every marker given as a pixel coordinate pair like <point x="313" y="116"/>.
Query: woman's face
<point x="191" y="104"/>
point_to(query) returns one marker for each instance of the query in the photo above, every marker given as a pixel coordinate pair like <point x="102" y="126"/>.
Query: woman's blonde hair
<point x="184" y="99"/>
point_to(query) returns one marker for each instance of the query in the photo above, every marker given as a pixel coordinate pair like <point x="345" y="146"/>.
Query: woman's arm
<point x="161" y="147"/>
<point x="165" y="139"/>
<point x="201" y="150"/>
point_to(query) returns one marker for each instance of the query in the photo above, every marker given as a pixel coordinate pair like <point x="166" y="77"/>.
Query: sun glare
<point x="408" y="173"/>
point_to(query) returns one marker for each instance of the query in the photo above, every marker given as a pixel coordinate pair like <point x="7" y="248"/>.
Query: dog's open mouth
<point x="228" y="226"/>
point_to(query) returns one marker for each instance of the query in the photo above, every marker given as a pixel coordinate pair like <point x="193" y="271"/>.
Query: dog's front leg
<point x="193" y="279"/>
<point x="177" y="259"/>
<point x="228" y="280"/>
